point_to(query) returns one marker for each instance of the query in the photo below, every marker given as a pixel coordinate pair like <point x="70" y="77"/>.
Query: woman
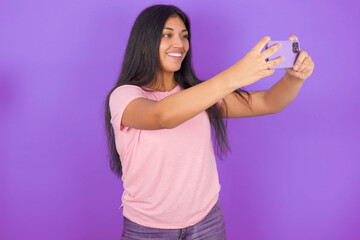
<point x="159" y="117"/>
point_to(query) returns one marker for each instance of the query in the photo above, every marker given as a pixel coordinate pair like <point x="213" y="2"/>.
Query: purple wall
<point x="293" y="175"/>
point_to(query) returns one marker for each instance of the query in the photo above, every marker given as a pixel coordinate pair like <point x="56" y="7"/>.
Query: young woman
<point x="159" y="117"/>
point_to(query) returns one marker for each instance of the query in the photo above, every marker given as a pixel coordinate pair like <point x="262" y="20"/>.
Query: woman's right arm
<point x="175" y="109"/>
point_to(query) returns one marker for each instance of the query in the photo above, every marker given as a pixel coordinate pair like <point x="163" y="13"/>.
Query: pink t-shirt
<point x="169" y="175"/>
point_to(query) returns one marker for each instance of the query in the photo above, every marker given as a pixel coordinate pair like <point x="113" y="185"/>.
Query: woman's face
<point x="174" y="45"/>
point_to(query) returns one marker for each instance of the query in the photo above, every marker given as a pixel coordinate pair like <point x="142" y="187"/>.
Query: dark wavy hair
<point x="142" y="62"/>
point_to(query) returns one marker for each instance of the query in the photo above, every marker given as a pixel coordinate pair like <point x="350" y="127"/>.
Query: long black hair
<point x="141" y="63"/>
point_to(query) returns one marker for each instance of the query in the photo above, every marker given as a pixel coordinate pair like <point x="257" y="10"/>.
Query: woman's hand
<point x="253" y="66"/>
<point x="303" y="66"/>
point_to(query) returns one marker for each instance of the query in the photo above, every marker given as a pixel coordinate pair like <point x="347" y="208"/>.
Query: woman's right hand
<point x="253" y="66"/>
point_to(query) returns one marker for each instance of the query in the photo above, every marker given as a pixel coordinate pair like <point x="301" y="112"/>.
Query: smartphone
<point x="290" y="51"/>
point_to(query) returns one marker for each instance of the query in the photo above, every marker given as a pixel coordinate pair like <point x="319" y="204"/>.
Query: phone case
<point x="290" y="51"/>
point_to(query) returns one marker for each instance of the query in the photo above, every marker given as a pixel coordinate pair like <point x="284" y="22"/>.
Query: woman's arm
<point x="175" y="109"/>
<point x="283" y="93"/>
<point x="142" y="113"/>
<point x="277" y="97"/>
<point x="263" y="102"/>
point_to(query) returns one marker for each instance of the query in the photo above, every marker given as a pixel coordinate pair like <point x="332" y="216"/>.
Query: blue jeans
<point x="212" y="227"/>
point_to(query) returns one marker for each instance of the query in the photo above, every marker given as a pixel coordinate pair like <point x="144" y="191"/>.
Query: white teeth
<point x="175" y="54"/>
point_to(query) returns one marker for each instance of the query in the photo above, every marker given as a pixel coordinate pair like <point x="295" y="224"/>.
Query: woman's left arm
<point x="278" y="96"/>
<point x="285" y="91"/>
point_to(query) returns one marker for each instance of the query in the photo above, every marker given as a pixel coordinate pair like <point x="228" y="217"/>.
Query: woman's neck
<point x="163" y="83"/>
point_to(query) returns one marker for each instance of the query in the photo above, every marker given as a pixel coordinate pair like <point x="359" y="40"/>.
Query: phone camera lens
<point x="295" y="47"/>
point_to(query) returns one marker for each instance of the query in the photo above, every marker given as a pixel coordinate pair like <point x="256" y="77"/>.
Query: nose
<point x="178" y="41"/>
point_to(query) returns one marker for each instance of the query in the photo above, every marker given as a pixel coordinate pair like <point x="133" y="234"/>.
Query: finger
<point x="293" y="38"/>
<point x="270" y="51"/>
<point x="306" y="64"/>
<point x="299" y="60"/>
<point x="261" y="44"/>
<point x="311" y="61"/>
<point x="275" y="62"/>
<point x="312" y="64"/>
<point x="269" y="72"/>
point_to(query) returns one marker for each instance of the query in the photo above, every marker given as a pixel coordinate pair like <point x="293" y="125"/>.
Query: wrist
<point x="232" y="80"/>
<point x="294" y="79"/>
<point x="226" y="81"/>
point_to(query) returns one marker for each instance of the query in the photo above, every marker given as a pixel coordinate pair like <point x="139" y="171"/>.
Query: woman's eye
<point x="169" y="35"/>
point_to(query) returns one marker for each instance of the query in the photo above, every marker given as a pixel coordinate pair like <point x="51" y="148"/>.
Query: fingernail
<point x="296" y="67"/>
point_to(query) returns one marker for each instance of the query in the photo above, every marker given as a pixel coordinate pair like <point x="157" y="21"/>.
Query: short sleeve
<point x="119" y="99"/>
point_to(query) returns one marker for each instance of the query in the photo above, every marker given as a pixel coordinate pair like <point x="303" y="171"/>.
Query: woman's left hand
<point x="303" y="66"/>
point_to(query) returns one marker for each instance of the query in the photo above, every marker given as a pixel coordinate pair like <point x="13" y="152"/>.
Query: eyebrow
<point x="169" y="28"/>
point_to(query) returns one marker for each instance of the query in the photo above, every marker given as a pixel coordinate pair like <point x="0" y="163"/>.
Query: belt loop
<point x="182" y="230"/>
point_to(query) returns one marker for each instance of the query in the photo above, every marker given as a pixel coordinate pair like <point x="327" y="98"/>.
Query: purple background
<point x="293" y="175"/>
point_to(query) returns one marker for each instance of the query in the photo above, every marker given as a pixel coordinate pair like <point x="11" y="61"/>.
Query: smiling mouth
<point x="177" y="56"/>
